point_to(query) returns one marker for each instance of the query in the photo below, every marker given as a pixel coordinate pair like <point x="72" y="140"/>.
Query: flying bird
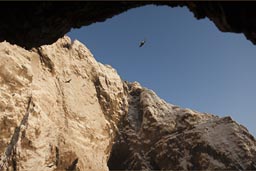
<point x="142" y="43"/>
<point x="68" y="81"/>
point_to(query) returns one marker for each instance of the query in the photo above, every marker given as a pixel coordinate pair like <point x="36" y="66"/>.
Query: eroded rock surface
<point x="77" y="104"/>
<point x="155" y="135"/>
<point x="82" y="116"/>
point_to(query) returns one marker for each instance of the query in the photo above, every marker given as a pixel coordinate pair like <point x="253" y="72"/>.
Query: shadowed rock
<point x="37" y="23"/>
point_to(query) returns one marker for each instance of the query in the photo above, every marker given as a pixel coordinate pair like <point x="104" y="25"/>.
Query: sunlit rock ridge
<point x="61" y="110"/>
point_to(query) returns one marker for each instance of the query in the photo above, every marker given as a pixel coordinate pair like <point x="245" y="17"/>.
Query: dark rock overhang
<point x="33" y="24"/>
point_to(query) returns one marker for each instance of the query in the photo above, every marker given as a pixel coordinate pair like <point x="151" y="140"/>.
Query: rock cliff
<point x="62" y="110"/>
<point x="155" y="135"/>
<point x="77" y="103"/>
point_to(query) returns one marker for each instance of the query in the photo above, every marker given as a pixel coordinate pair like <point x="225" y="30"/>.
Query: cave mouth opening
<point x="187" y="62"/>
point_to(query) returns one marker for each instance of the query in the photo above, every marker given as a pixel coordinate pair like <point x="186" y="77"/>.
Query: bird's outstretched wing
<point x="142" y="43"/>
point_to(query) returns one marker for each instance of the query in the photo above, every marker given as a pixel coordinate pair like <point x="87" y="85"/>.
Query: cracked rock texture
<point x="155" y="135"/>
<point x="38" y="23"/>
<point x="77" y="105"/>
<point x="83" y="116"/>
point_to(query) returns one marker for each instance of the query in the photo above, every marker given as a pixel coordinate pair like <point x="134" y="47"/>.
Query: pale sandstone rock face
<point x="82" y="116"/>
<point x="77" y="104"/>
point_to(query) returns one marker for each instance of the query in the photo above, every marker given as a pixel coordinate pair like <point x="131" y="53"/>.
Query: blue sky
<point x="187" y="62"/>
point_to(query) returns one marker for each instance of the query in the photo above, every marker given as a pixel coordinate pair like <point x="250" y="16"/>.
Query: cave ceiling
<point x="32" y="24"/>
